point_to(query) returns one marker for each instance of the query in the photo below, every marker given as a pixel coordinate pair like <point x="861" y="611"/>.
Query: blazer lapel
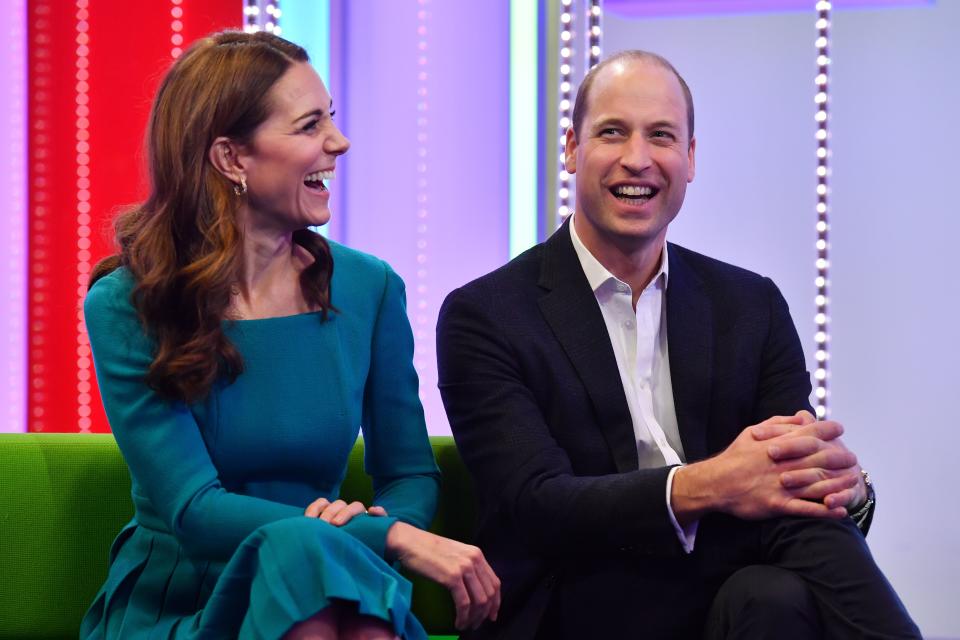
<point x="690" y="345"/>
<point x="571" y="310"/>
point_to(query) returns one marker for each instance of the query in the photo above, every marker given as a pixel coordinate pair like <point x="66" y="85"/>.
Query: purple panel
<point x="13" y="216"/>
<point x="427" y="176"/>
<point x="670" y="8"/>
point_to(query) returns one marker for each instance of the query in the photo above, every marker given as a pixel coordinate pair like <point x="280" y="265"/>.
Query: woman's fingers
<point x="377" y="510"/>
<point x="315" y="508"/>
<point x="344" y="515"/>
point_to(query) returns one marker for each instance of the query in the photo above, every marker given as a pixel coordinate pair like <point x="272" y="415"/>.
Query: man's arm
<point x="781" y="466"/>
<point x="518" y="466"/>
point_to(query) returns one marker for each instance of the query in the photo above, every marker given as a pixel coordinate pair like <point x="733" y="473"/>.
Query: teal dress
<point x="219" y="546"/>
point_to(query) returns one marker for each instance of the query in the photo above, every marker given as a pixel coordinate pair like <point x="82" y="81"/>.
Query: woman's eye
<point x="310" y="126"/>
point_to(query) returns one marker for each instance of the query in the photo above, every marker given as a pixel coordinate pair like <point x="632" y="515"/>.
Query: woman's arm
<point x="397" y="452"/>
<point x="175" y="480"/>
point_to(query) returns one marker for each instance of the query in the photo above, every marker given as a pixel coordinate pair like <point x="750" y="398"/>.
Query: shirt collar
<point x="598" y="275"/>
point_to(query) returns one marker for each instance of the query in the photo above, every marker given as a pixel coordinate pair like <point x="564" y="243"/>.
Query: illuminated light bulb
<point x="820" y="337"/>
<point x="821" y="225"/>
<point x="820" y="374"/>
<point x="821" y="263"/>
<point x="821" y="411"/>
<point x="821" y="134"/>
<point x="820" y="282"/>
<point x="821" y="189"/>
<point x="821" y="393"/>
<point x="820" y="42"/>
<point x="820" y="318"/>
<point x="821" y="355"/>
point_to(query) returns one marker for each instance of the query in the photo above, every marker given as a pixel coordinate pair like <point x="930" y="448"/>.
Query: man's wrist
<point x="860" y="513"/>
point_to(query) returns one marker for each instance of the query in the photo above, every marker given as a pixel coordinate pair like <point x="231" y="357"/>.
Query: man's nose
<point x="636" y="154"/>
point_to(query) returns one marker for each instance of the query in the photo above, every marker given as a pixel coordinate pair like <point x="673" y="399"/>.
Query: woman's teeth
<point x="316" y="179"/>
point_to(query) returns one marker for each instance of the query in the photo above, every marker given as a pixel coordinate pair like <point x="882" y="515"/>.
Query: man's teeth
<point x="634" y="192"/>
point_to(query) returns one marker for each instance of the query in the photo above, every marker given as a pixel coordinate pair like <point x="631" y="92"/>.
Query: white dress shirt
<point x="639" y="339"/>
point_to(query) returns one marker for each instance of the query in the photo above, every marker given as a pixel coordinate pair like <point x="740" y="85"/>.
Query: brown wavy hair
<point x="183" y="245"/>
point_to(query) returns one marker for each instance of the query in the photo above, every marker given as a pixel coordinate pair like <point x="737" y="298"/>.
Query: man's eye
<point x="663" y="134"/>
<point x="609" y="131"/>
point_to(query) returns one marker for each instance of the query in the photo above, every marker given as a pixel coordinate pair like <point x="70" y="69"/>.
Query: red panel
<point x="94" y="66"/>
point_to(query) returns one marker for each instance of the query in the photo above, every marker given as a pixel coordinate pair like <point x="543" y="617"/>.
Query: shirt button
<point x="628" y="324"/>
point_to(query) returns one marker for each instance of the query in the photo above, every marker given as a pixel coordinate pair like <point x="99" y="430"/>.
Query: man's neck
<point x="635" y="262"/>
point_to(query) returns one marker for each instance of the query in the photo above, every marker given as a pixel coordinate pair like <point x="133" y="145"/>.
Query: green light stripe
<point x="523" y="125"/>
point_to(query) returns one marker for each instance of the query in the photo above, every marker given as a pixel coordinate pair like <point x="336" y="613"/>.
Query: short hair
<point x="638" y="55"/>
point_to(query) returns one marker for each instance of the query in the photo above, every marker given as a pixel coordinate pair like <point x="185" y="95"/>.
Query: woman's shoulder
<point x="110" y="293"/>
<point x="354" y="268"/>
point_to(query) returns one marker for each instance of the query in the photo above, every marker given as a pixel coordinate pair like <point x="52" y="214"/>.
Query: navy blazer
<point x="530" y="383"/>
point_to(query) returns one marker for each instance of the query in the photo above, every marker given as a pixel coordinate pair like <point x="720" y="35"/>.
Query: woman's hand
<point x="338" y="512"/>
<point x="459" y="567"/>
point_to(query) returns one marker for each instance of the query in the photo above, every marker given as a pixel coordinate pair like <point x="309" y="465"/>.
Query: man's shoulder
<point x="516" y="277"/>
<point x="713" y="273"/>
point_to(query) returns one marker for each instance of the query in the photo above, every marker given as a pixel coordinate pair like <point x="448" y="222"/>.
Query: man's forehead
<point x="635" y="84"/>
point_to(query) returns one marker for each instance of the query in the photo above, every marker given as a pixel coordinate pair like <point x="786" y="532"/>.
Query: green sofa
<point x="63" y="498"/>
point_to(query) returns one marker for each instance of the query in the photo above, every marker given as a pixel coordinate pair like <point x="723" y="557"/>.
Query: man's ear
<point x="225" y="157"/>
<point x="570" y="152"/>
<point x="692" y="159"/>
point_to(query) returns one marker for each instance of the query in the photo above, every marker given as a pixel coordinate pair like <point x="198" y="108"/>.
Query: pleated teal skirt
<point x="283" y="573"/>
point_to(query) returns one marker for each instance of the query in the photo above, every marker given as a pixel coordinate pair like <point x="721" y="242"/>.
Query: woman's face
<point x="291" y="154"/>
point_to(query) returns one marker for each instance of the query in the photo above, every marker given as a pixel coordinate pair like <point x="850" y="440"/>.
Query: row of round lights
<point x="564" y="198"/>
<point x="594" y="13"/>
<point x="82" y="112"/>
<point x="40" y="154"/>
<point x="823" y="154"/>
<point x="260" y="15"/>
<point x="176" y="28"/>
<point x="422" y="330"/>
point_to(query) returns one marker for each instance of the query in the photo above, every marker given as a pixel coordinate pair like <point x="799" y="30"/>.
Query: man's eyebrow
<point x="607" y="121"/>
<point x="315" y="112"/>
<point x="664" y="124"/>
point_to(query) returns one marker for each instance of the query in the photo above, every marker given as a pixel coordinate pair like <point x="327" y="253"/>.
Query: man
<point x="636" y="415"/>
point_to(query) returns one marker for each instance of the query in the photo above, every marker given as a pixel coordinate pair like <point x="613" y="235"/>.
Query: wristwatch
<point x="863" y="515"/>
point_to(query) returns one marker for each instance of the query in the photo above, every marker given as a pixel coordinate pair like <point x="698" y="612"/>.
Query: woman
<point x="237" y="354"/>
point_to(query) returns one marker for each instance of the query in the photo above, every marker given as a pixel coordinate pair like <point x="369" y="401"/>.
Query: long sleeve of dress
<point x="174" y="480"/>
<point x="397" y="451"/>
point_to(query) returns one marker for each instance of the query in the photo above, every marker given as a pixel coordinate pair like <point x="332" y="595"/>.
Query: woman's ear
<point x="225" y="157"/>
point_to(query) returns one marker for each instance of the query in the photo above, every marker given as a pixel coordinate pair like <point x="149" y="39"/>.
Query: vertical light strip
<point x="422" y="356"/>
<point x="594" y="51"/>
<point x="822" y="337"/>
<point x="41" y="148"/>
<point x="523" y="125"/>
<point x="307" y="23"/>
<point x="564" y="186"/>
<point x="271" y="16"/>
<point x="251" y="16"/>
<point x="176" y="28"/>
<point x="82" y="91"/>
<point x="13" y="216"/>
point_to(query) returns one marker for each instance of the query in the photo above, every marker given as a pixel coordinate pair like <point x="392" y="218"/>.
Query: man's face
<point x="633" y="157"/>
